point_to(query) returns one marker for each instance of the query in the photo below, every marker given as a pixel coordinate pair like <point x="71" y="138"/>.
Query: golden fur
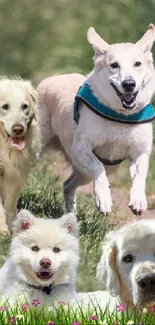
<point x="15" y="164"/>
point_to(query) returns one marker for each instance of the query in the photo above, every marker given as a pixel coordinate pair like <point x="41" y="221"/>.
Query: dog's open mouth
<point x="17" y="142"/>
<point x="128" y="99"/>
<point x="44" y="275"/>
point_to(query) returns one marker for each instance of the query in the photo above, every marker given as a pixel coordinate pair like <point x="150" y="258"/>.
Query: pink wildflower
<point x="50" y="322"/>
<point x="61" y="303"/>
<point x="75" y="323"/>
<point x="151" y="309"/>
<point x="36" y="302"/>
<point x="93" y="317"/>
<point x="11" y="320"/>
<point x="24" y="307"/>
<point x="120" y="307"/>
<point x="2" y="308"/>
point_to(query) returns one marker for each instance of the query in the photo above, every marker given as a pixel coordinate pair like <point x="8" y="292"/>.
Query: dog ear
<point x="147" y="40"/>
<point x="33" y="97"/>
<point x="98" y="44"/>
<point x="69" y="221"/>
<point x="107" y="272"/>
<point x="24" y="221"/>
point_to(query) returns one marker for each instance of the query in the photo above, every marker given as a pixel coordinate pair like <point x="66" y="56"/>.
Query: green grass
<point x="77" y="314"/>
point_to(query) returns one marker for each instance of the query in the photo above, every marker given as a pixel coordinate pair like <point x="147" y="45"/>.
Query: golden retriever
<point x="19" y="143"/>
<point x="127" y="265"/>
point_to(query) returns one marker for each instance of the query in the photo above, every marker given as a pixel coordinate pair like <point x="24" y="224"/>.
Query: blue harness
<point x="85" y="95"/>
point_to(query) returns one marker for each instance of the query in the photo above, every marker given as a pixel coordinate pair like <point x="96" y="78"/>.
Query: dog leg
<point x="138" y="172"/>
<point x="11" y="194"/>
<point x="70" y="186"/>
<point x="4" y="231"/>
<point x="86" y="162"/>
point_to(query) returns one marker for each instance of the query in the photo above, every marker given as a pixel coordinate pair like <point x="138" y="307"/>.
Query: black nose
<point x="17" y="129"/>
<point x="146" y="282"/>
<point x="129" y="84"/>
<point x="45" y="263"/>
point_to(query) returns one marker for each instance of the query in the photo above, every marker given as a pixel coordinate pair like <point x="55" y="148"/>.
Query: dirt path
<point x="119" y="195"/>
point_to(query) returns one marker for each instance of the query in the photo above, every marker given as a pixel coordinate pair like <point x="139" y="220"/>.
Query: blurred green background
<point x="40" y="38"/>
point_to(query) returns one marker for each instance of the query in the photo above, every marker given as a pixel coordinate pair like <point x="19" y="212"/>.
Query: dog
<point x="42" y="261"/>
<point x="122" y="84"/>
<point x="127" y="266"/>
<point x="19" y="143"/>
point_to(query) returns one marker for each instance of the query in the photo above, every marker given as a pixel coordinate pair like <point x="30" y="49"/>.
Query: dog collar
<point x="46" y="289"/>
<point x="85" y="95"/>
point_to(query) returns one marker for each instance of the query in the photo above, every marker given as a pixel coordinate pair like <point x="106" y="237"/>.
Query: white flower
<point x="20" y="316"/>
<point x="130" y="322"/>
<point x="103" y="322"/>
<point x="144" y="310"/>
<point x="50" y="308"/>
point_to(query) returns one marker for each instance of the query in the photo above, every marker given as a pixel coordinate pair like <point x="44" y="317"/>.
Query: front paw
<point x="4" y="231"/>
<point x="103" y="198"/>
<point x="137" y="203"/>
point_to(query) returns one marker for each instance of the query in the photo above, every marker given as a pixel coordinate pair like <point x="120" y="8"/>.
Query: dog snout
<point x="17" y="129"/>
<point x="45" y="263"/>
<point x="129" y="84"/>
<point x="146" y="282"/>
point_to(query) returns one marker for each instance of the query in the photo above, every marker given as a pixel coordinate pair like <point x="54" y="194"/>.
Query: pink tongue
<point x="18" y="143"/>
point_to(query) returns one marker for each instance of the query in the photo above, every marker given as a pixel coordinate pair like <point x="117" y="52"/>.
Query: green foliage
<point x="40" y="38"/>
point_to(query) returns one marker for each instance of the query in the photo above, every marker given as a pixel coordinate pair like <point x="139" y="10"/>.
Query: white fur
<point x="110" y="140"/>
<point x="120" y="278"/>
<point x="15" y="164"/>
<point x="23" y="264"/>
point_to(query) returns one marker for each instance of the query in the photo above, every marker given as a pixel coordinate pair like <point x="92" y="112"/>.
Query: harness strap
<point x="86" y="96"/>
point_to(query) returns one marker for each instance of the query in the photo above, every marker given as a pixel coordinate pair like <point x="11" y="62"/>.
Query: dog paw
<point x="103" y="198"/>
<point x="4" y="231"/>
<point x="138" y="203"/>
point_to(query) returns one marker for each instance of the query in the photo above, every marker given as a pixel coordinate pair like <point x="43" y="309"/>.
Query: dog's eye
<point x="114" y="65"/>
<point x="128" y="258"/>
<point x="35" y="248"/>
<point x="5" y="107"/>
<point x="25" y="106"/>
<point x="56" y="249"/>
<point x="137" y="64"/>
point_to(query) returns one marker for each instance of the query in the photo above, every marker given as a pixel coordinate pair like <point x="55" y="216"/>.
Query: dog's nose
<point x="17" y="129"/>
<point x="146" y="282"/>
<point x="129" y="84"/>
<point x="45" y="263"/>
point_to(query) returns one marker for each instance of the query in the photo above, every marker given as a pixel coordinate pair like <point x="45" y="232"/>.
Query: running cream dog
<point x="43" y="260"/>
<point x="121" y="85"/>
<point x="127" y="265"/>
<point x="19" y="143"/>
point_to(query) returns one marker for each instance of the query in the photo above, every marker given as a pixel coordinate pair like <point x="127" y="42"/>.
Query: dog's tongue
<point x="17" y="142"/>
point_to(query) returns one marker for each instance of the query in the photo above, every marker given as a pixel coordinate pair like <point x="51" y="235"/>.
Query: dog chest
<point x="117" y="141"/>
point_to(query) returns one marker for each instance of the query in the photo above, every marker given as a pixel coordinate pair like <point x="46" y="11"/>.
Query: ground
<point x="119" y="188"/>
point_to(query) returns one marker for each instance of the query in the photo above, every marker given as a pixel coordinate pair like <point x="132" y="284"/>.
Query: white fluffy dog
<point x="122" y="82"/>
<point x="127" y="265"/>
<point x="19" y="143"/>
<point x="43" y="260"/>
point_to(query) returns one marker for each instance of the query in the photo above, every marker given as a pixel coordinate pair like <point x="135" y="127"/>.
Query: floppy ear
<point x="98" y="44"/>
<point x="107" y="272"/>
<point x="147" y="40"/>
<point x="33" y="96"/>
<point x="25" y="219"/>
<point x="69" y="221"/>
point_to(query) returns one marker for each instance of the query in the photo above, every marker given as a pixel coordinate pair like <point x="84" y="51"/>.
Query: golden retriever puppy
<point x="127" y="265"/>
<point x="19" y="143"/>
